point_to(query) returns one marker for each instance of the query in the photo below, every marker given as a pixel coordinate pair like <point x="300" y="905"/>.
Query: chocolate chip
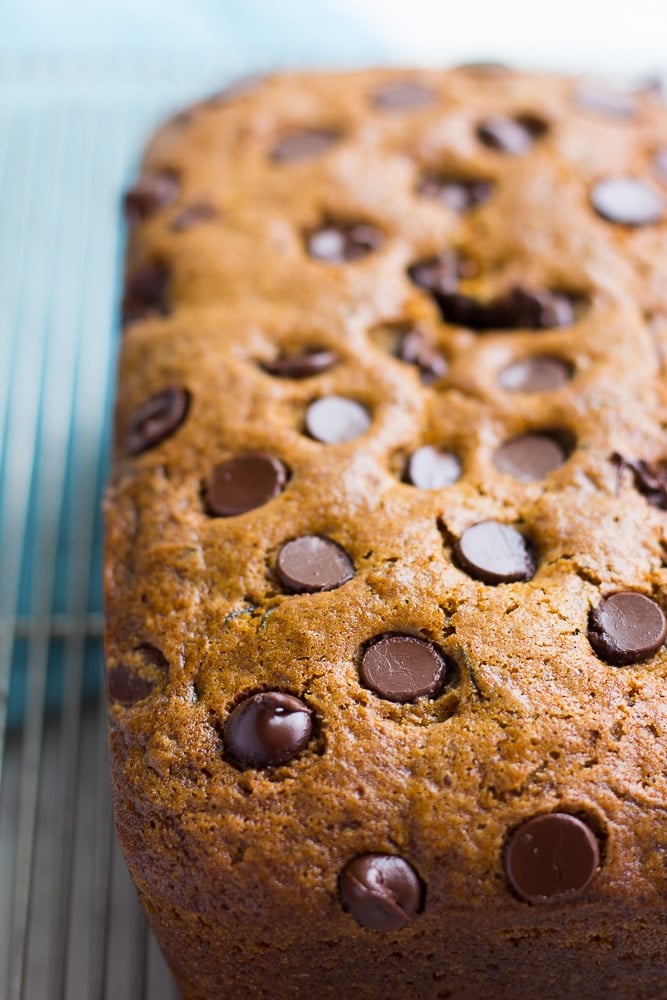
<point x="430" y="468"/>
<point x="441" y="274"/>
<point x="244" y="482"/>
<point x="304" y="144"/>
<point x="127" y="687"/>
<point x="538" y="374"/>
<point x="192" y="215"/>
<point x="416" y="349"/>
<point x="403" y="95"/>
<point x="530" y="457"/>
<point x="335" y="419"/>
<point x="552" y="856"/>
<point x="301" y="365"/>
<point x="151" y="193"/>
<point x="310" y="563"/>
<point x="626" y="628"/>
<point x="495" y="553"/>
<point x="517" y="309"/>
<point x="267" y="729"/>
<point x="146" y="292"/>
<point x="381" y="891"/>
<point x="629" y="201"/>
<point x="457" y="193"/>
<point x="650" y="478"/>
<point x="515" y="136"/>
<point x="340" y="242"/>
<point x="605" y="99"/>
<point x="403" y="668"/>
<point x="156" y="419"/>
<point x="660" y="163"/>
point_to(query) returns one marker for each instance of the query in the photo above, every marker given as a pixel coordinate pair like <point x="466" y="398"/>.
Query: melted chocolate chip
<point x="151" y="193"/>
<point x="381" y="891"/>
<point x="342" y="242"/>
<point x="403" y="95"/>
<point x="156" y="419"/>
<point x="538" y="374"/>
<point x="650" y="478"/>
<point x="660" y="163"/>
<point x="126" y="686"/>
<point x="402" y="668"/>
<point x="416" y="349"/>
<point x="495" y="553"/>
<point x="440" y="275"/>
<point x="515" y="136"/>
<point x="302" y="365"/>
<point x="626" y="628"/>
<point x="458" y="193"/>
<point x="551" y="856"/>
<point x="606" y="100"/>
<point x="192" y="215"/>
<point x="304" y="144"/>
<point x="430" y="468"/>
<point x="518" y="309"/>
<point x="146" y="293"/>
<point x="267" y="729"/>
<point x="311" y="563"/>
<point x="244" y="482"/>
<point x="628" y="201"/>
<point x="530" y="457"/>
<point x="335" y="419"/>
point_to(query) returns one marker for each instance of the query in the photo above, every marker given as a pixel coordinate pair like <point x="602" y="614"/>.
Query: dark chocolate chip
<point x="660" y="163"/>
<point x="151" y="193"/>
<point x="403" y="95"/>
<point x="403" y="668"/>
<point x="537" y="374"/>
<point x="495" y="553"/>
<point x="302" y="365"/>
<point x="381" y="891"/>
<point x="430" y="468"/>
<point x="146" y="291"/>
<point x="517" y="309"/>
<point x="606" y="99"/>
<point x="335" y="419"/>
<point x="440" y="275"/>
<point x="629" y="201"/>
<point x="156" y="419"/>
<point x="341" y="242"/>
<point x="626" y="628"/>
<point x="416" y="349"/>
<point x="310" y="563"/>
<point x="243" y="483"/>
<point x="126" y="686"/>
<point x="304" y="144"/>
<point x="515" y="136"/>
<point x="530" y="456"/>
<point x="650" y="478"/>
<point x="552" y="856"/>
<point x="457" y="193"/>
<point x="267" y="729"/>
<point x="192" y="215"/>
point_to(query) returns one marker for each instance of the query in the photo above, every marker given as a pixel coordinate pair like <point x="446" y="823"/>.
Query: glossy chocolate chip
<point x="416" y="349"/>
<point x="660" y="163"/>
<point x="126" y="686"/>
<point x="538" y="374"/>
<point x="343" y="242"/>
<point x="431" y="468"/>
<point x="530" y="456"/>
<point x="519" y="309"/>
<point x="244" y="483"/>
<point x="606" y="100"/>
<point x="650" y="478"/>
<point x="193" y="215"/>
<point x="515" y="136"/>
<point x="335" y="419"/>
<point x="304" y="144"/>
<point x="311" y="563"/>
<point x="626" y="628"/>
<point x="381" y="891"/>
<point x="457" y="193"/>
<point x="403" y="95"/>
<point x="402" y="668"/>
<point x="146" y="292"/>
<point x="441" y="274"/>
<point x="156" y="419"/>
<point x="495" y="553"/>
<point x="628" y="201"/>
<point x="267" y="729"/>
<point x="150" y="193"/>
<point x="301" y="365"/>
<point x="552" y="856"/>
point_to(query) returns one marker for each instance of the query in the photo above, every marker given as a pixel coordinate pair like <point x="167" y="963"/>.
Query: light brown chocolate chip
<point x="311" y="563"/>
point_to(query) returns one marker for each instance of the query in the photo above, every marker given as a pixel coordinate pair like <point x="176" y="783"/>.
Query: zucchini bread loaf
<point x="386" y="539"/>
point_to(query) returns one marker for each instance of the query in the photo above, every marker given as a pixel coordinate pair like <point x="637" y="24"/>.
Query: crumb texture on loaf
<point x="386" y="540"/>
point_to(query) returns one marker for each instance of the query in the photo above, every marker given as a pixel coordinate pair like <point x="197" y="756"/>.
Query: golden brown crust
<point x="238" y="868"/>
